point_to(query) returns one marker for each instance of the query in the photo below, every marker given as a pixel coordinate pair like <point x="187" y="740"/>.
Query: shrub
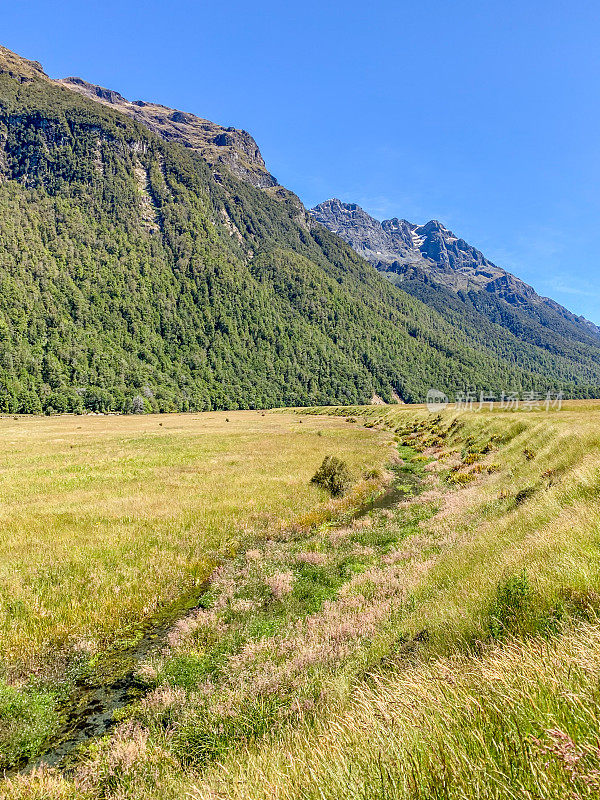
<point x="333" y="475"/>
<point x="461" y="478"/>
<point x="524" y="494"/>
<point x="512" y="605"/>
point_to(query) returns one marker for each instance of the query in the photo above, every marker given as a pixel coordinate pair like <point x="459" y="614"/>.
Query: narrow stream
<point x="94" y="700"/>
<point x="404" y="485"/>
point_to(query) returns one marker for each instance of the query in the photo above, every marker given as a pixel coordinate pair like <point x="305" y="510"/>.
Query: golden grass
<point x="104" y="519"/>
<point x="456" y="714"/>
<point x="519" y="723"/>
<point x="458" y="719"/>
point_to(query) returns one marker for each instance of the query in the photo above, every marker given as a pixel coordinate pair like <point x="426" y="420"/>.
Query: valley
<point x="256" y="540"/>
<point x="148" y="261"/>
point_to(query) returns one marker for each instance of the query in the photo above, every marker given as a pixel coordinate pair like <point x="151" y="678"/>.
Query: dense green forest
<point x="132" y="277"/>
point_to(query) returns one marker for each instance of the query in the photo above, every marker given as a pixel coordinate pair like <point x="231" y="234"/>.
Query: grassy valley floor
<point x="109" y="522"/>
<point x="442" y="646"/>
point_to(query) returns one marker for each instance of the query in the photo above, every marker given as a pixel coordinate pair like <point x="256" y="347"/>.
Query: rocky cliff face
<point x="431" y="253"/>
<point x="379" y="243"/>
<point x="20" y="68"/>
<point x="399" y="246"/>
<point x="229" y="147"/>
<point x="221" y="147"/>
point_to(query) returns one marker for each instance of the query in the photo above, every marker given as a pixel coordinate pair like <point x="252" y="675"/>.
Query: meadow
<point x="444" y="646"/>
<point x="108" y="520"/>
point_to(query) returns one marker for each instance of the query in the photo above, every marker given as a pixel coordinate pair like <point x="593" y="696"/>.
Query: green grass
<point x="445" y="648"/>
<point x="27" y="718"/>
<point x="107" y="522"/>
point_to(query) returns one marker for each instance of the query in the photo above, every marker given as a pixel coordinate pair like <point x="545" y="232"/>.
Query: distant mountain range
<point x="432" y="263"/>
<point x="148" y="259"/>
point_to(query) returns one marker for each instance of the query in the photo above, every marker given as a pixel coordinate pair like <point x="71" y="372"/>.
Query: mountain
<point x="429" y="260"/>
<point x="432" y="251"/>
<point x="142" y="263"/>
<point x="230" y="147"/>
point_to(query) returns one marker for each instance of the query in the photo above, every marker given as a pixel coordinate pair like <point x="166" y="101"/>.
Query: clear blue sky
<point x="481" y="113"/>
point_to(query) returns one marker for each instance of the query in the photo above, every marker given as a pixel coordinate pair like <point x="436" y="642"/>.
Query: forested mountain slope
<point x="130" y="268"/>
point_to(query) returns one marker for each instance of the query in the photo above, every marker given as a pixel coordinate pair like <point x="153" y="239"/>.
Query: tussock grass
<point x="464" y="717"/>
<point x="455" y="657"/>
<point x="106" y="521"/>
<point x="520" y="721"/>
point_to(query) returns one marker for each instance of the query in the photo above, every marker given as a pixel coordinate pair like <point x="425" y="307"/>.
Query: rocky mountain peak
<point x="430" y="251"/>
<point x="335" y="207"/>
<point x="364" y="233"/>
<point x="433" y="226"/>
<point x="416" y="255"/>
<point x="401" y="229"/>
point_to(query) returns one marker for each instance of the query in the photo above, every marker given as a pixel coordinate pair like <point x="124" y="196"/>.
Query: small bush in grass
<point x="461" y="478"/>
<point x="512" y="610"/>
<point x="524" y="494"/>
<point x="333" y="475"/>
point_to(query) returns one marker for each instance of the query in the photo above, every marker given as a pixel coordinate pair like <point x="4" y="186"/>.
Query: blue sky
<point x="482" y="114"/>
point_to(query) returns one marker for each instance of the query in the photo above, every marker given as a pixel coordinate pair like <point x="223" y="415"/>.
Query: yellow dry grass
<point x="466" y="713"/>
<point x="461" y="719"/>
<point x="104" y="519"/>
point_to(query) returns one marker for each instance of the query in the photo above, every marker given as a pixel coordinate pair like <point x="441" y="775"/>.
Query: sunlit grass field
<point x="500" y="699"/>
<point x="445" y="648"/>
<point x="104" y="519"/>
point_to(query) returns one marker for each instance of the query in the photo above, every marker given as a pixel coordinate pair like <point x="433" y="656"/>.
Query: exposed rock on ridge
<point x="397" y="245"/>
<point x="430" y="253"/>
<point x="219" y="146"/>
<point x="20" y="68"/>
<point x="233" y="148"/>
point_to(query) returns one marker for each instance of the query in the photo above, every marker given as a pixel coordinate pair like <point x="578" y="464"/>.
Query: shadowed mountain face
<point x="149" y="261"/>
<point x="432" y="255"/>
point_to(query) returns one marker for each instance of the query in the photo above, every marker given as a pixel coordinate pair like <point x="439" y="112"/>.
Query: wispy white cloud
<point x="570" y="285"/>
